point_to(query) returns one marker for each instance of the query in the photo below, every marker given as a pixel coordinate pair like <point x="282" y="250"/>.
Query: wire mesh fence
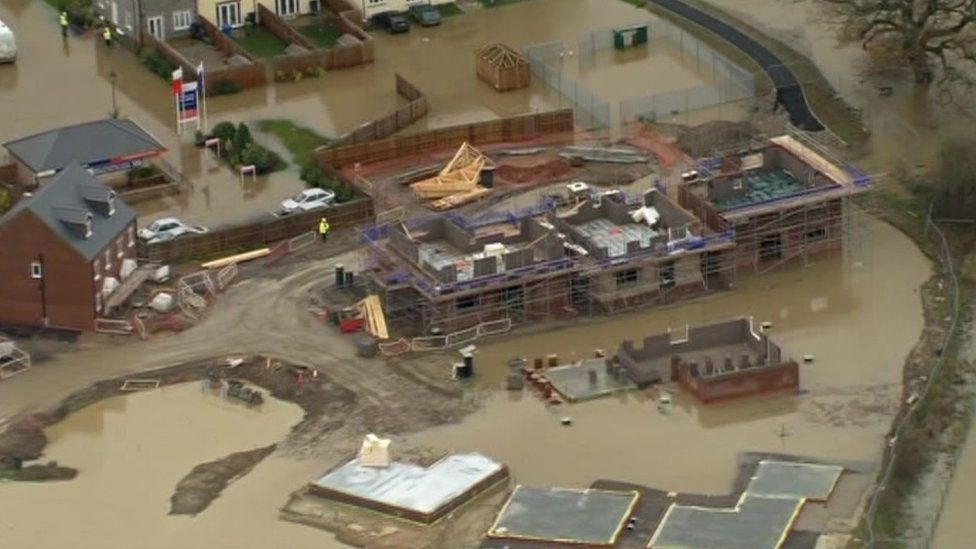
<point x="547" y="60"/>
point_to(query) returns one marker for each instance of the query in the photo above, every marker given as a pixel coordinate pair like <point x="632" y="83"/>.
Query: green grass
<point x="638" y="3"/>
<point x="449" y="9"/>
<point x="299" y="140"/>
<point x="262" y="43"/>
<point x="323" y="36"/>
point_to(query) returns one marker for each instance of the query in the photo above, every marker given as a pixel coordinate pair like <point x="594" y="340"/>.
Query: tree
<point x="934" y="38"/>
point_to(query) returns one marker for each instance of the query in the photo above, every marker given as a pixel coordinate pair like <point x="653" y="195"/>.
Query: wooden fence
<point x="390" y="123"/>
<point x="286" y="66"/>
<point x="250" y="75"/>
<point x="172" y="56"/>
<point x="506" y="129"/>
<point x="256" y="234"/>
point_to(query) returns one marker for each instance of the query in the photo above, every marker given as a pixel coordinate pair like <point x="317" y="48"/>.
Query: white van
<point x="8" y="44"/>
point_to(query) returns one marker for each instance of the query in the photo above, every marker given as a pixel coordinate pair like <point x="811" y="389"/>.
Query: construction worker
<point x="63" y="19"/>
<point x="324" y="229"/>
<point x="107" y="36"/>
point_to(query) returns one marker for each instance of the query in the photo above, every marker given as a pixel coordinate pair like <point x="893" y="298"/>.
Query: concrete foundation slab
<point x="587" y="379"/>
<point x="757" y="522"/>
<point x="594" y="517"/>
<point x="794" y="480"/>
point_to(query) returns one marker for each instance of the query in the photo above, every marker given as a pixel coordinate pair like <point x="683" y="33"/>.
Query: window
<point x="737" y="185"/>
<point x="626" y="277"/>
<point x="665" y="275"/>
<point x="182" y="19"/>
<point x="128" y="22"/>
<point x="376" y="2"/>
<point x="37" y="271"/>
<point x="97" y="268"/>
<point x="817" y="234"/>
<point x="88" y="225"/>
<point x="132" y="236"/>
<point x="469" y="302"/>
<point x="120" y="246"/>
<point x="108" y="258"/>
<point x="98" y="302"/>
<point x="111" y="203"/>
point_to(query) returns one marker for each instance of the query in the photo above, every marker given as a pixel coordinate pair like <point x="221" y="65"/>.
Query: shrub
<point x="296" y="75"/>
<point x="316" y="178"/>
<point x="280" y="76"/>
<point x="242" y="137"/>
<point x="224" y="130"/>
<point x="144" y="171"/>
<point x="156" y="63"/>
<point x="226" y="87"/>
<point x="261" y="158"/>
<point x="5" y="200"/>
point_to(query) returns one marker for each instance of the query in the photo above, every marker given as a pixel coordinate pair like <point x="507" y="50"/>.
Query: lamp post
<point x="112" y="77"/>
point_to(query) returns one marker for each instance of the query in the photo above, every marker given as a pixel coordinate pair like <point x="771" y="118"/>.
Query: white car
<point x="307" y="200"/>
<point x="166" y="229"/>
<point x="8" y="44"/>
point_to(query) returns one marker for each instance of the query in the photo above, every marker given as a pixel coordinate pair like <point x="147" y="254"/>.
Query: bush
<point x="144" y="171"/>
<point x="5" y="200"/>
<point x="226" y="87"/>
<point x="225" y="131"/>
<point x="156" y="63"/>
<point x="242" y="137"/>
<point x="316" y="178"/>
<point x="262" y="159"/>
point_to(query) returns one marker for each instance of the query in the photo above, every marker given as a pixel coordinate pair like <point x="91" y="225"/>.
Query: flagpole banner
<point x="189" y="102"/>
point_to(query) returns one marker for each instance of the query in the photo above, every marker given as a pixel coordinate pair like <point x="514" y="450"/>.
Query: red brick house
<point x="62" y="250"/>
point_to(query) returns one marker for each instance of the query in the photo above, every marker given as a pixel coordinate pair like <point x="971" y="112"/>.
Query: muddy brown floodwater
<point x="859" y="317"/>
<point x="131" y="451"/>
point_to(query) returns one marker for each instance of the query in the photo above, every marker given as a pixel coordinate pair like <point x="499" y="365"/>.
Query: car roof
<point x="166" y="220"/>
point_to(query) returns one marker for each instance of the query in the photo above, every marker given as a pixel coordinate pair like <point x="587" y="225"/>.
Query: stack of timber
<point x="373" y="317"/>
<point x="457" y="181"/>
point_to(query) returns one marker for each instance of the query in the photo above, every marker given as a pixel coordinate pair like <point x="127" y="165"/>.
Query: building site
<point x="477" y="274"/>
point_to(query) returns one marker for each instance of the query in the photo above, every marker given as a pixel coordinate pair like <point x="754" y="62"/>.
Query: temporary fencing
<point x="547" y="61"/>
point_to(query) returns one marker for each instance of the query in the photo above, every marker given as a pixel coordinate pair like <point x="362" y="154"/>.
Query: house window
<point x="98" y="302"/>
<point x="376" y="2"/>
<point x="626" y="277"/>
<point x="37" y="271"/>
<point x="88" y="226"/>
<point x="97" y="269"/>
<point x="182" y="19"/>
<point x="108" y="258"/>
<point x="817" y="234"/>
<point x="128" y="22"/>
<point x="111" y="203"/>
<point x="132" y="236"/>
<point x="737" y="185"/>
<point x="120" y="246"/>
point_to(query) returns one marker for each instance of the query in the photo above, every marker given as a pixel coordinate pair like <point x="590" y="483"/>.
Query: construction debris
<point x="140" y="384"/>
<point x="238" y="258"/>
<point x="456" y="200"/>
<point x="613" y="155"/>
<point x="375" y="452"/>
<point x="458" y="180"/>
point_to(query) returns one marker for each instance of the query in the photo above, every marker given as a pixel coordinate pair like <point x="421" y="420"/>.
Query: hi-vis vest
<point x="323" y="226"/>
<point x="64" y="19"/>
<point x="107" y="33"/>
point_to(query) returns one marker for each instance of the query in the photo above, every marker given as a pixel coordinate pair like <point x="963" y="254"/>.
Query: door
<point x="229" y="13"/>
<point x="155" y="25"/>
<point x="286" y="7"/>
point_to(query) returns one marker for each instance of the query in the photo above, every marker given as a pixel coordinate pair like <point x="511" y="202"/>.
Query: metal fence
<point x="547" y="61"/>
<point x="729" y="83"/>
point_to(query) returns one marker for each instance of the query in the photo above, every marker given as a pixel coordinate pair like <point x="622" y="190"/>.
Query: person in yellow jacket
<point x="324" y="229"/>
<point x="63" y="19"/>
<point x="107" y="35"/>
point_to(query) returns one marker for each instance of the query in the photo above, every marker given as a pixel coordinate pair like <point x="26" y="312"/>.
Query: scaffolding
<point x="755" y="239"/>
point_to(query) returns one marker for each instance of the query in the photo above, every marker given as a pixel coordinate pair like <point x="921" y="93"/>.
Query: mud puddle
<point x="858" y="315"/>
<point x="131" y="451"/>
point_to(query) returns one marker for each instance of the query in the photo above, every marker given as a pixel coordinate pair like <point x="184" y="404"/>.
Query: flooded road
<point x="859" y="320"/>
<point x="132" y="450"/>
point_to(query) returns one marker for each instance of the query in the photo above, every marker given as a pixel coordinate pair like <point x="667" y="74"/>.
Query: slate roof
<point x="68" y="201"/>
<point x="87" y="143"/>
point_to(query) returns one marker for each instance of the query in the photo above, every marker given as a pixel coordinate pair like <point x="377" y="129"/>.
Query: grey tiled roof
<point x="87" y="143"/>
<point x="65" y="203"/>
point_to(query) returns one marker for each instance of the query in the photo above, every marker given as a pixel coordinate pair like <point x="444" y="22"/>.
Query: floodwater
<point x="132" y="450"/>
<point x="859" y="316"/>
<point x="59" y="82"/>
<point x="956" y="529"/>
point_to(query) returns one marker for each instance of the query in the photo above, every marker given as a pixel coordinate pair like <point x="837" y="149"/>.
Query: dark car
<point x="427" y="16"/>
<point x="392" y="21"/>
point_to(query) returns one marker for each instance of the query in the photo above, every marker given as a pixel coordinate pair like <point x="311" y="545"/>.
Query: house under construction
<point x="608" y="251"/>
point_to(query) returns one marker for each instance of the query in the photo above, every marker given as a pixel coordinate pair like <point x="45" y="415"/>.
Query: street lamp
<point x="115" y="110"/>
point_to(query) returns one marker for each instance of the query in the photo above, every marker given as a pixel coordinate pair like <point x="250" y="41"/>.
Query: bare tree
<point x="933" y="38"/>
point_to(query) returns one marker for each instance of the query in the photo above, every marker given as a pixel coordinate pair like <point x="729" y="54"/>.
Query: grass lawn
<point x="638" y="3"/>
<point x="299" y="140"/>
<point x="323" y="36"/>
<point x="449" y="9"/>
<point x="261" y="43"/>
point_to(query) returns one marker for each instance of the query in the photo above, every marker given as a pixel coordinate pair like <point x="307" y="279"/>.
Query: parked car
<point x="166" y="229"/>
<point x="427" y="16"/>
<point x="392" y="21"/>
<point x="307" y="200"/>
<point x="8" y="44"/>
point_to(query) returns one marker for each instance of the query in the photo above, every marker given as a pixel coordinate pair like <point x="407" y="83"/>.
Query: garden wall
<point x="245" y="76"/>
<point x="169" y="53"/>
<point x="254" y="235"/>
<point x="506" y="129"/>
<point x="390" y="123"/>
